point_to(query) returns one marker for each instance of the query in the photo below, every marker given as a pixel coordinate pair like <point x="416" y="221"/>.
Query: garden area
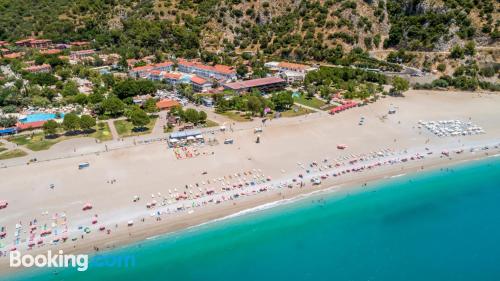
<point x="12" y="154"/>
<point x="126" y="128"/>
<point x="309" y="101"/>
<point x="52" y="136"/>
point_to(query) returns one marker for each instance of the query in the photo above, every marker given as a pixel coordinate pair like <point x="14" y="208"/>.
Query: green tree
<point x="282" y="100"/>
<point x="50" y="127"/>
<point x="191" y="115"/>
<point x="150" y="105"/>
<point x="80" y="99"/>
<point x="71" y="122"/>
<point x="139" y="118"/>
<point x="87" y="122"/>
<point x="441" y="67"/>
<point x="457" y="52"/>
<point x="70" y="89"/>
<point x="470" y="48"/>
<point x="242" y="70"/>
<point x="399" y="85"/>
<point x="202" y="116"/>
<point x="113" y="106"/>
<point x="254" y="104"/>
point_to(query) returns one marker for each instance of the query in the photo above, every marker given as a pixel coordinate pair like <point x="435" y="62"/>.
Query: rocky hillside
<point x="296" y="29"/>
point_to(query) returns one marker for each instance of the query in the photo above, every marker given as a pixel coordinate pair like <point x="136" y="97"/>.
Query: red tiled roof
<point x="50" y="52"/>
<point x="142" y="68"/>
<point x="31" y="125"/>
<point x="198" y="80"/>
<point x="152" y="66"/>
<point x="175" y="76"/>
<point x="80" y="43"/>
<point x="166" y="104"/>
<point x="254" y="83"/>
<point x="24" y="41"/>
<point x="224" y="69"/>
<point x="36" y="68"/>
<point x="163" y="64"/>
<point x="14" y="55"/>
<point x="83" y="52"/>
<point x="290" y="65"/>
<point x="155" y="72"/>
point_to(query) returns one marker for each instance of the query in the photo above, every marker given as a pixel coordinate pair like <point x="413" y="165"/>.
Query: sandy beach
<point x="305" y="145"/>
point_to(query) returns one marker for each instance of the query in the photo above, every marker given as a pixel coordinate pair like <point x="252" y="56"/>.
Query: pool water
<point x="36" y="117"/>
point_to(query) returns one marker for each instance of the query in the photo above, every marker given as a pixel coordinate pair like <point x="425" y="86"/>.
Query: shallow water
<point x="441" y="225"/>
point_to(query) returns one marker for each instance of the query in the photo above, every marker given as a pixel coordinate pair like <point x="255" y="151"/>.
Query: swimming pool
<point x="35" y="117"/>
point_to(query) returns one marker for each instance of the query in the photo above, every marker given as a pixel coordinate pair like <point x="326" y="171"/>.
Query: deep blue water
<point x="440" y="225"/>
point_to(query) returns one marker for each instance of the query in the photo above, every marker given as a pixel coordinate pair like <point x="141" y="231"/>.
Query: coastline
<point x="116" y="177"/>
<point x="206" y="217"/>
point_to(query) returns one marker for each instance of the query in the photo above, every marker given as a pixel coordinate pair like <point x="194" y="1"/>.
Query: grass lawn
<point x="38" y="141"/>
<point x="298" y="112"/>
<point x="313" y="102"/>
<point x="2" y="149"/>
<point x="236" y="116"/>
<point x="12" y="154"/>
<point x="103" y="134"/>
<point x="209" y="123"/>
<point x="125" y="128"/>
<point x="35" y="142"/>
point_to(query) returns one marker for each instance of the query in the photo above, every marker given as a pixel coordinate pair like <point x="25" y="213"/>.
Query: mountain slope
<point x="295" y="29"/>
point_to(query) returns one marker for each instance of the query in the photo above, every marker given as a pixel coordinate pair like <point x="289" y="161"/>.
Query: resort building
<point x="200" y="85"/>
<point x="291" y="72"/>
<point x="146" y="71"/>
<point x="34" y="43"/>
<point x="79" y="55"/>
<point x="44" y="68"/>
<point x="80" y="43"/>
<point x="218" y="71"/>
<point x="14" y="55"/>
<point x="167" y="104"/>
<point x="267" y="84"/>
<point x="173" y="78"/>
<point x="50" y="52"/>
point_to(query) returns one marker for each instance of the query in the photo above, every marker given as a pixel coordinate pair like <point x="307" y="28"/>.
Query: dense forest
<point x="303" y="30"/>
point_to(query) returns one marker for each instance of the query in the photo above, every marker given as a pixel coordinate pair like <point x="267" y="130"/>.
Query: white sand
<point x="149" y="169"/>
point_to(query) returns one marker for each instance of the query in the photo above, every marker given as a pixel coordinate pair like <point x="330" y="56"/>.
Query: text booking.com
<point x="79" y="262"/>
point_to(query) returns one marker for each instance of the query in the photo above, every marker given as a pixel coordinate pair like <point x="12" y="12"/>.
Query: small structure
<point x="82" y="54"/>
<point x="44" y="68"/>
<point x="200" y="85"/>
<point x="218" y="71"/>
<point x="208" y="102"/>
<point x="8" y="131"/>
<point x="34" y="43"/>
<point x="185" y="137"/>
<point x="167" y="104"/>
<point x="83" y="165"/>
<point x="267" y="84"/>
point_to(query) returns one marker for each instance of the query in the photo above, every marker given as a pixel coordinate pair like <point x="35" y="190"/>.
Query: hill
<point x="292" y="29"/>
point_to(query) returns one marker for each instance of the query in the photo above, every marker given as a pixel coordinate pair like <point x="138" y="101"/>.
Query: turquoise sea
<point x="440" y="225"/>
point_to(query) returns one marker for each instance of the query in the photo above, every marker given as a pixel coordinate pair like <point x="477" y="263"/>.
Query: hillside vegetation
<point x="291" y="29"/>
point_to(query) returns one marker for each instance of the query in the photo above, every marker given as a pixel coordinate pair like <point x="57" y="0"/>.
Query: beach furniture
<point x="83" y="165"/>
<point x="87" y="207"/>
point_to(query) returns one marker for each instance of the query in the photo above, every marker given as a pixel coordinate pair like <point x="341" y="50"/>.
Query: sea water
<point x="439" y="225"/>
